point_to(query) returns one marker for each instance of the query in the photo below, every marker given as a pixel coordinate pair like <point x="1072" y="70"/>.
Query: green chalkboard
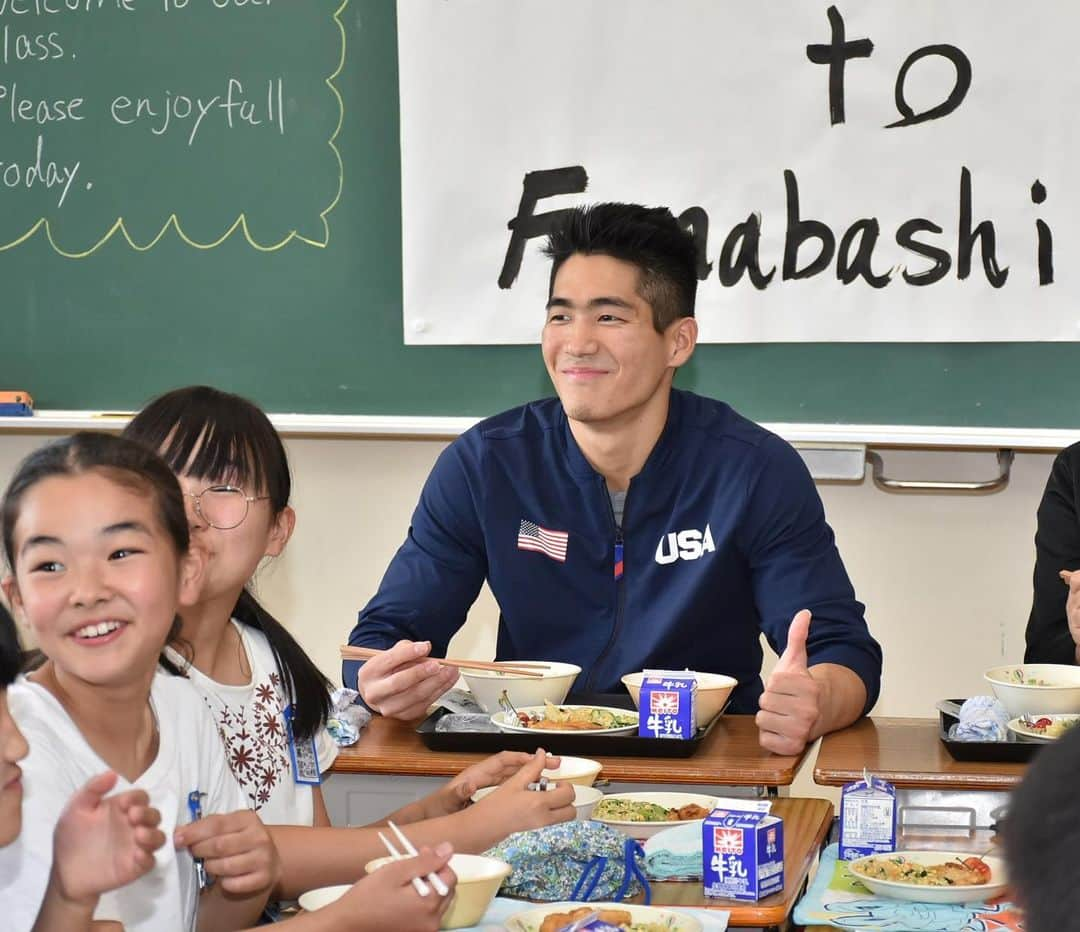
<point x="258" y="248"/>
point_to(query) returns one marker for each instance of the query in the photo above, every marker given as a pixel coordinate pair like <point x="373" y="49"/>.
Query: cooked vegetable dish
<point x="895" y="867"/>
<point x="629" y="810"/>
<point x="580" y="718"/>
<point x="1049" y="728"/>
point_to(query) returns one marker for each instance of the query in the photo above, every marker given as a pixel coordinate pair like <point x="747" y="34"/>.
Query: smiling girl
<point x="96" y="537"/>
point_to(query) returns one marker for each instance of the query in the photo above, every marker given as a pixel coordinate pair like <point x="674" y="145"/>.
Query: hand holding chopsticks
<point x="403" y="681"/>
<point x="434" y="879"/>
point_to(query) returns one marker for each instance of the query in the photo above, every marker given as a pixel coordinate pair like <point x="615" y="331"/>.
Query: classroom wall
<point x="946" y="578"/>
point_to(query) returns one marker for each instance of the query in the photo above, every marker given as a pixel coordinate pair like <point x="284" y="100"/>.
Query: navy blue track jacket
<point x="724" y="536"/>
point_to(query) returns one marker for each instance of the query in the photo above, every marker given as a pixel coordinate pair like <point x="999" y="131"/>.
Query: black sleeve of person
<point x="1057" y="547"/>
<point x="303" y="683"/>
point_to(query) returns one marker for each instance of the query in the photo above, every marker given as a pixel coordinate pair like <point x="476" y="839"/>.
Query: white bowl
<point x="585" y="799"/>
<point x="552" y="685"/>
<point x="322" y="896"/>
<point x="478" y="880"/>
<point x="1061" y="697"/>
<point x="578" y="770"/>
<point x="670" y="921"/>
<point x="668" y="800"/>
<point x="712" y="693"/>
<point x="899" y="890"/>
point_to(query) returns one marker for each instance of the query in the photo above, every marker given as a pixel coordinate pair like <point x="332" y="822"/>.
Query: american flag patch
<point x="550" y="543"/>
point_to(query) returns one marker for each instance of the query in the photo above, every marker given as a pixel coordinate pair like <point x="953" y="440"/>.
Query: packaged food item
<point x="867" y="818"/>
<point x="347" y="717"/>
<point x="666" y="705"/>
<point x="982" y="718"/>
<point x="743" y="850"/>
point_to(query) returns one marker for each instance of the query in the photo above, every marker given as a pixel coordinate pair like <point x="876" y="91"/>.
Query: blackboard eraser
<point x="16" y="404"/>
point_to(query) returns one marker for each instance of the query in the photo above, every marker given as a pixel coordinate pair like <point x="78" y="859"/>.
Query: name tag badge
<point x="305" y="759"/>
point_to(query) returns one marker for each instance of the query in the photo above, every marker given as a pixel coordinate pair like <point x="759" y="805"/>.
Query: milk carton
<point x="743" y="848"/>
<point x="867" y="818"/>
<point x="666" y="705"/>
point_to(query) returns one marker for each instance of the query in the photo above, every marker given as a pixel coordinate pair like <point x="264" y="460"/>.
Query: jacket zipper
<point x="619" y="584"/>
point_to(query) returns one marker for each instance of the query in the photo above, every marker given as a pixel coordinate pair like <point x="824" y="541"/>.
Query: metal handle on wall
<point x="1004" y="459"/>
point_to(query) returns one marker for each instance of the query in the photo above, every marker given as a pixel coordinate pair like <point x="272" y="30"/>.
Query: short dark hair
<point x="10" y="652"/>
<point x="232" y="437"/>
<point x="1042" y="837"/>
<point x="650" y="238"/>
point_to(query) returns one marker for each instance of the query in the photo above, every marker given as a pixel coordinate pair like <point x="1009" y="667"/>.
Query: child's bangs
<point x="211" y="435"/>
<point x="214" y="450"/>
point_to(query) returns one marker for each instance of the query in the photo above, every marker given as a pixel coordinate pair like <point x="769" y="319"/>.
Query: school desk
<point x="936" y="794"/>
<point x="806" y="825"/>
<point x="390" y="766"/>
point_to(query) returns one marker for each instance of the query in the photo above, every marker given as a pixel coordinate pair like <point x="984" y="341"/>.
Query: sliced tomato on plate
<point x="980" y="867"/>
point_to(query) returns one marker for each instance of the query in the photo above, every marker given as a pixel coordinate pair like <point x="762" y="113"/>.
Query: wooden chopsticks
<point x="519" y="669"/>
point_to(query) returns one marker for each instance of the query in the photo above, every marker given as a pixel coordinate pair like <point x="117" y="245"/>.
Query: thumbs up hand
<point x="791" y="704"/>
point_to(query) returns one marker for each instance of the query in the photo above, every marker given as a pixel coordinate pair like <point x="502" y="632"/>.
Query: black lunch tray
<point x="576" y="745"/>
<point x="1010" y="751"/>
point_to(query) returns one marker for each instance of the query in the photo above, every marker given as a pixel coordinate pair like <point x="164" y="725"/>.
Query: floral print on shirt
<point x="255" y="738"/>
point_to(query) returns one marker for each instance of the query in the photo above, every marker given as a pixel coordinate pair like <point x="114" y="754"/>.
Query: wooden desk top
<point x="806" y="823"/>
<point x="729" y="755"/>
<point x="908" y="753"/>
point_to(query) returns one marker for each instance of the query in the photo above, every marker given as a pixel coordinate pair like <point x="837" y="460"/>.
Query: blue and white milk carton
<point x="867" y="818"/>
<point x="743" y="848"/>
<point x="666" y="705"/>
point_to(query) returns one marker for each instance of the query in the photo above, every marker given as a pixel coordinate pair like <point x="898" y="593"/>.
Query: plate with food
<point x="1042" y="727"/>
<point x="932" y="876"/>
<point x="642" y="815"/>
<point x="568" y="720"/>
<point x="624" y="916"/>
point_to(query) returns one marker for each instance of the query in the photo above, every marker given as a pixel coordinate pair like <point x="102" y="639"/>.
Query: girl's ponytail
<point x="305" y="687"/>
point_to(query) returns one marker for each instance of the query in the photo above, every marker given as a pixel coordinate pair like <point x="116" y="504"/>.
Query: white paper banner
<point x="826" y="221"/>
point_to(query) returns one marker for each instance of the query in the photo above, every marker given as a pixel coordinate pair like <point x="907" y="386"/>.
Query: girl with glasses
<point x="267" y="696"/>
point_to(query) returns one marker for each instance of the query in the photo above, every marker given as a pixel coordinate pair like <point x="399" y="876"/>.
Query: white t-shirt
<point x="60" y="762"/>
<point x="251" y="722"/>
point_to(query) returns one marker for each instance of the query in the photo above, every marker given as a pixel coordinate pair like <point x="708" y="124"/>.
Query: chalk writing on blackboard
<point x="140" y="119"/>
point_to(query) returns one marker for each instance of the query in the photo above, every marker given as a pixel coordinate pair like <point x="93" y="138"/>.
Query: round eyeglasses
<point x="223" y="506"/>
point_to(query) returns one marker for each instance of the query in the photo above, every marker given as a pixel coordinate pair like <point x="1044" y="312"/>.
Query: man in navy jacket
<point x="627" y="525"/>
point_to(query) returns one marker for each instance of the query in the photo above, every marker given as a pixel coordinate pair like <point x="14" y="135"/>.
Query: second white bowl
<point x="1020" y="688"/>
<point x="712" y="693"/>
<point x="551" y="686"/>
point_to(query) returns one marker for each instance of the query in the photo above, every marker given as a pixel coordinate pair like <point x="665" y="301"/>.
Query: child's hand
<point x="489" y="772"/>
<point x="236" y="849"/>
<point x="101" y="844"/>
<point x="514" y="808"/>
<point x="386" y="898"/>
